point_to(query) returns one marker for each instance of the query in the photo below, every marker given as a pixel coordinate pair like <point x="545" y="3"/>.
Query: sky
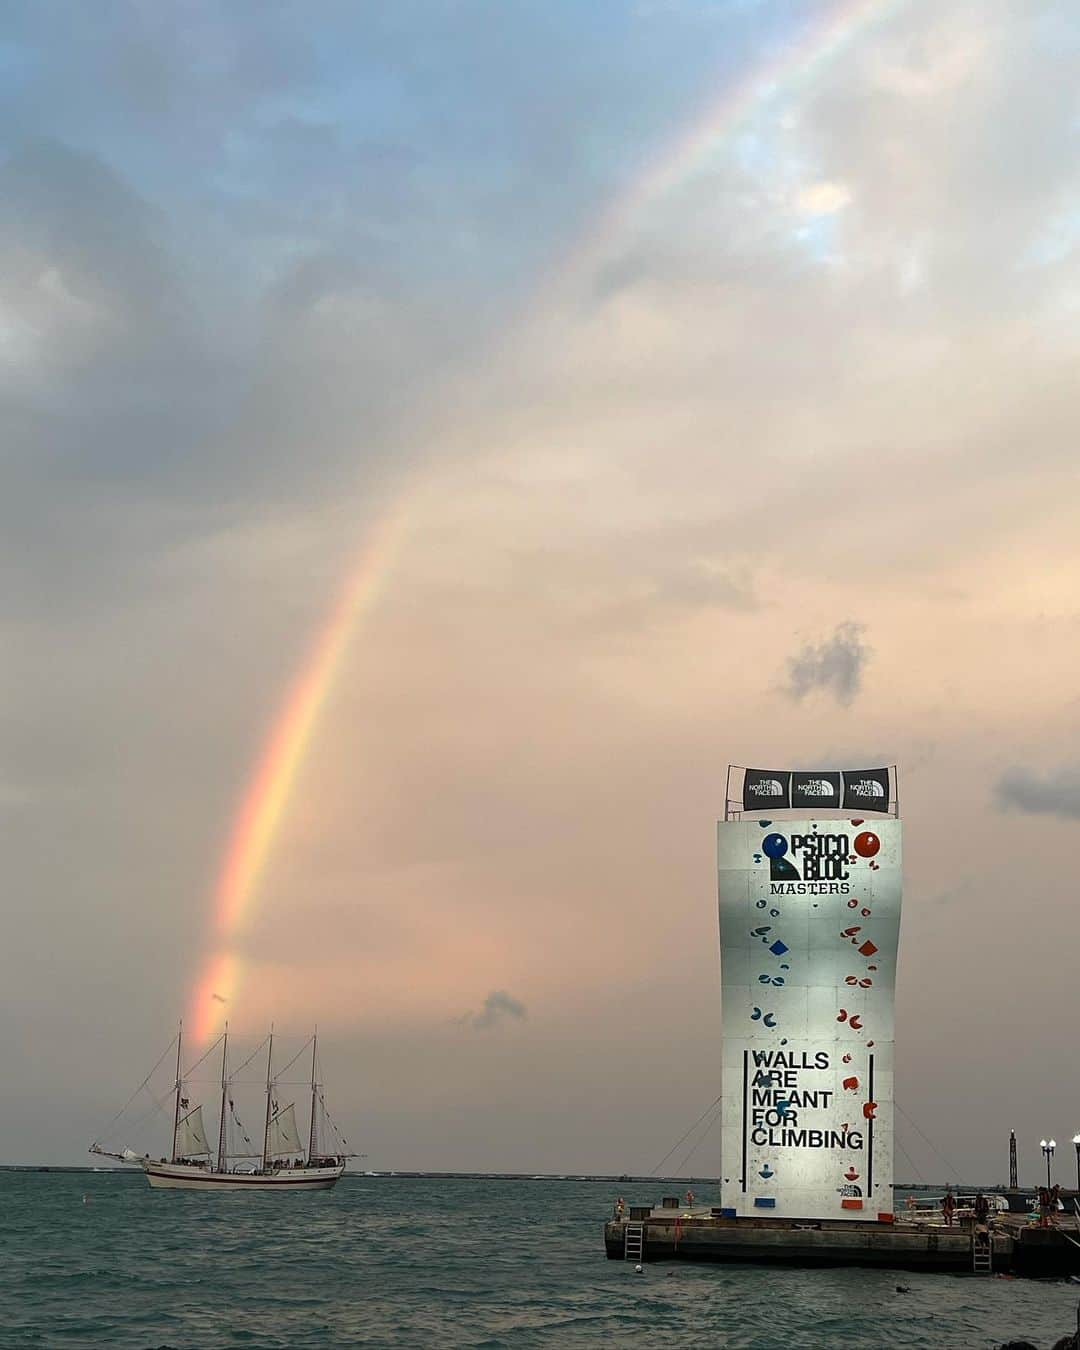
<point x="677" y="382"/>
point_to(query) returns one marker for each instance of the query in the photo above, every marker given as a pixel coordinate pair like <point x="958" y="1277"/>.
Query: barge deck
<point x="1013" y="1246"/>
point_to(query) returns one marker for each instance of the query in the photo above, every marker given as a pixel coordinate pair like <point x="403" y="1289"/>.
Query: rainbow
<point x="273" y="780"/>
<point x="821" y="43"/>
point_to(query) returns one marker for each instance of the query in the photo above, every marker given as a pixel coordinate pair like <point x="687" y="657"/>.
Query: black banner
<point x="766" y="788"/>
<point x="815" y="789"/>
<point x="866" y="789"/>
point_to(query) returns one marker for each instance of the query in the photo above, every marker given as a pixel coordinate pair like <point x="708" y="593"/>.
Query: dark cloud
<point x="111" y="396"/>
<point x="498" y="1006"/>
<point x="834" y="666"/>
<point x="148" y="404"/>
<point x="1052" y="794"/>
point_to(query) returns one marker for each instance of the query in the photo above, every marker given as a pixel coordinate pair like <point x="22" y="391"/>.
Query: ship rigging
<point x="284" y="1159"/>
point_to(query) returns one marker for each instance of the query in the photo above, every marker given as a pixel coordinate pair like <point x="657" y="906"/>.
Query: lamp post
<point x="1076" y="1141"/>
<point x="1048" y="1150"/>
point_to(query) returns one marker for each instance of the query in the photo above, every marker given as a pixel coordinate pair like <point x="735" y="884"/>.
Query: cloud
<point x="623" y="504"/>
<point x="835" y="665"/>
<point x="150" y="405"/>
<point x="1055" y="794"/>
<point x="824" y="199"/>
<point x="498" y="1006"/>
<point x="706" y="584"/>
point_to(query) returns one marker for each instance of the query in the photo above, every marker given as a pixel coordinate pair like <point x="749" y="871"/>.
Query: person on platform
<point x="948" y="1207"/>
<point x="620" y="1207"/>
<point x="982" y="1210"/>
<point x="1044" y="1206"/>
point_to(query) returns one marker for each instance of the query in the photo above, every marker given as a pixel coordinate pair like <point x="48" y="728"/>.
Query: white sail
<point x="191" y="1136"/>
<point x="283" y="1136"/>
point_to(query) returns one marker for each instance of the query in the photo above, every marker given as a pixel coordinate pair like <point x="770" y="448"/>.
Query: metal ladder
<point x="634" y="1242"/>
<point x="982" y="1253"/>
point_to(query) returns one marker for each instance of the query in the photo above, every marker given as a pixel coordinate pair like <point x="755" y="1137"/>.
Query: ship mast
<point x="176" y="1113"/>
<point x="266" y="1127"/>
<point x="314" y="1089"/>
<point x="224" y="1090"/>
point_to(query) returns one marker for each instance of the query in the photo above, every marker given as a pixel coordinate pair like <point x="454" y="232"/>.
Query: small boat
<point x="285" y="1162"/>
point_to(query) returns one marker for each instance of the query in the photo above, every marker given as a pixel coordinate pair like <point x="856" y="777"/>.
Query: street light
<point x="1048" y="1150"/>
<point x="1076" y="1141"/>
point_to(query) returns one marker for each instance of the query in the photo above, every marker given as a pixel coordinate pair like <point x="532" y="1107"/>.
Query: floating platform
<point x="1012" y="1245"/>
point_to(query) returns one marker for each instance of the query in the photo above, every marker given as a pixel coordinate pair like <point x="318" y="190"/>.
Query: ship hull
<point x="178" y="1177"/>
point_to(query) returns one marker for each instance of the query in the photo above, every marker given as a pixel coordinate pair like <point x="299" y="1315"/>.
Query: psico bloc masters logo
<point x="807" y="864"/>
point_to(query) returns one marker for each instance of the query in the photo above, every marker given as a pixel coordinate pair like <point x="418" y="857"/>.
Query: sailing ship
<point x="284" y="1162"/>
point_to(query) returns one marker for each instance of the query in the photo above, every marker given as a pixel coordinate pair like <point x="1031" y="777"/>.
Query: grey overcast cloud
<point x="437" y="439"/>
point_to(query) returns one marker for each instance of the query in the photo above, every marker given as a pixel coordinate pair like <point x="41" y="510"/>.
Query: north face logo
<point x="866" y="787"/>
<point x="818" y="787"/>
<point x="767" y="787"/>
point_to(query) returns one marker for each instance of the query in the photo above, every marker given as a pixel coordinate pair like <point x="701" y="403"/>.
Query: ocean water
<point x="98" y="1259"/>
